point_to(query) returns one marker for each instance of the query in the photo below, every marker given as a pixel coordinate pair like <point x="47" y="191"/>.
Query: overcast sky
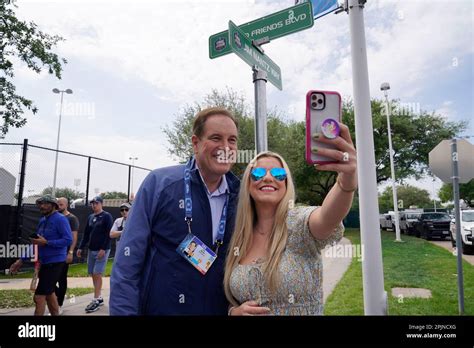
<point x="133" y="65"/>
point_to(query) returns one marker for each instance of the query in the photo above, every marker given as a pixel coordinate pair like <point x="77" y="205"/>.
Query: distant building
<point x="7" y="188"/>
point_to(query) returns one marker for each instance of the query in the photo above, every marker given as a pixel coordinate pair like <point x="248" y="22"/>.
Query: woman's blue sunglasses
<point x="259" y="173"/>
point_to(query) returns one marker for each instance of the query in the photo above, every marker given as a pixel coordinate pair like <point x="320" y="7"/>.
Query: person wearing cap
<point x="150" y="276"/>
<point x="96" y="236"/>
<point x="52" y="237"/>
<point x="119" y="224"/>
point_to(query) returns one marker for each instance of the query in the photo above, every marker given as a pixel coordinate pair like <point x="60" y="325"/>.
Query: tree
<point x="466" y="193"/>
<point x="70" y="194"/>
<point x="114" y="195"/>
<point x="407" y="195"/>
<point x="31" y="46"/>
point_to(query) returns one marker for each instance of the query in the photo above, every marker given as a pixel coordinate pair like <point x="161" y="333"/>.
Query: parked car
<point x="431" y="225"/>
<point x="406" y="225"/>
<point x="386" y="222"/>
<point x="467" y="231"/>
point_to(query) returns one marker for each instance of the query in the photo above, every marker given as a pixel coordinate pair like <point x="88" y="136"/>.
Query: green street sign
<point x="273" y="26"/>
<point x="241" y="45"/>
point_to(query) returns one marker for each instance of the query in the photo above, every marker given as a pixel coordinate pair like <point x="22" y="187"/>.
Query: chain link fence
<point x="27" y="172"/>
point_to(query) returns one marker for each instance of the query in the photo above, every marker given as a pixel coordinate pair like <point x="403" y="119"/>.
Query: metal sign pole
<point x="260" y="82"/>
<point x="375" y="297"/>
<point x="457" y="213"/>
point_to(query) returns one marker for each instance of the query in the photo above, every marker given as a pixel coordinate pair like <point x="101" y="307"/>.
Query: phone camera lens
<point x="320" y="101"/>
<point x="313" y="104"/>
<point x="313" y="96"/>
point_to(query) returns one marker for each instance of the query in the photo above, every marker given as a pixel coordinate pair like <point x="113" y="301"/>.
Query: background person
<point x="61" y="288"/>
<point x="53" y="237"/>
<point x="96" y="235"/>
<point x="119" y="223"/>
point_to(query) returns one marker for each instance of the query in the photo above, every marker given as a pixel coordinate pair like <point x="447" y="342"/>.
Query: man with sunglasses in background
<point x="175" y="208"/>
<point x="119" y="224"/>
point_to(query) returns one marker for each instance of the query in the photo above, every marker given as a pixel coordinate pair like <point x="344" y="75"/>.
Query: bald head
<point x="62" y="204"/>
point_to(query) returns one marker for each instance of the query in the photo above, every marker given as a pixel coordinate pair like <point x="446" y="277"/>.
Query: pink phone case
<point x="314" y="118"/>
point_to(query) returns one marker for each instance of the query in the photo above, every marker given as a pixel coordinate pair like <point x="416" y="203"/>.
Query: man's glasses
<point x="123" y="210"/>
<point x="259" y="173"/>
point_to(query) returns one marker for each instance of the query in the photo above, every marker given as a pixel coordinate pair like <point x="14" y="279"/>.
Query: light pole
<point x="385" y="87"/>
<point x="57" y="91"/>
<point x="133" y="159"/>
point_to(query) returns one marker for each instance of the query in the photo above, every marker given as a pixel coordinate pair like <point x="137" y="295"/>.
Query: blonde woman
<point x="273" y="266"/>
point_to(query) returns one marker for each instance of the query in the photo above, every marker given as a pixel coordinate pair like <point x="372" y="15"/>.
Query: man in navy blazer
<point x="149" y="276"/>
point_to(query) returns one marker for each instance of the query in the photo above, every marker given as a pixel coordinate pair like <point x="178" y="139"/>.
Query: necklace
<point x="260" y="233"/>
<point x="257" y="260"/>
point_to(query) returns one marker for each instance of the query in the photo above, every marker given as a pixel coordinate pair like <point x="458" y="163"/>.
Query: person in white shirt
<point x="119" y="224"/>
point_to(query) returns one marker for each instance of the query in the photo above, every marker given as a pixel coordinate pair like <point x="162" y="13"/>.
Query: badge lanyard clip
<point x="189" y="206"/>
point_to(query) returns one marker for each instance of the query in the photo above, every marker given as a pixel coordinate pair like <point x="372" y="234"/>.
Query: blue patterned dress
<point x="300" y="290"/>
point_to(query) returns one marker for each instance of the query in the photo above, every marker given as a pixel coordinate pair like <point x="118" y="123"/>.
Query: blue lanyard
<point x="188" y="205"/>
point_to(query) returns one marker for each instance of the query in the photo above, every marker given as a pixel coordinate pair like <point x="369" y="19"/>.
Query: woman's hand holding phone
<point x="344" y="155"/>
<point x="329" y="146"/>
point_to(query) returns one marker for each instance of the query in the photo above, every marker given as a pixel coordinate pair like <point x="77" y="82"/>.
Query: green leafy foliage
<point x="23" y="41"/>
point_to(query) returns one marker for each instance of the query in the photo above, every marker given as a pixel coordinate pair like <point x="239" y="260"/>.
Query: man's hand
<point x="39" y="241"/>
<point x="250" y="308"/>
<point x="79" y="253"/>
<point x="15" y="267"/>
<point x="100" y="254"/>
<point x="69" y="258"/>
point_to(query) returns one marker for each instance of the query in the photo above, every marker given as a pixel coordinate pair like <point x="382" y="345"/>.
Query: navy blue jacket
<point x="149" y="277"/>
<point x="97" y="231"/>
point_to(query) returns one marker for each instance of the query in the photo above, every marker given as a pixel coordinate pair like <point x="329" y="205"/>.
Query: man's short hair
<point x="203" y="115"/>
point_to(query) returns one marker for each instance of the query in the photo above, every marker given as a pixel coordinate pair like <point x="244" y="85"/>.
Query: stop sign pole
<point x="457" y="154"/>
<point x="457" y="216"/>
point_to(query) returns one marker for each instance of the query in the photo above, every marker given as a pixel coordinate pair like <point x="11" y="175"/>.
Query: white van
<point x="467" y="231"/>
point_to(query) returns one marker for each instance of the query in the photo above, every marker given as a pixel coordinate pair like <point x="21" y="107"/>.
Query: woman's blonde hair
<point x="244" y="227"/>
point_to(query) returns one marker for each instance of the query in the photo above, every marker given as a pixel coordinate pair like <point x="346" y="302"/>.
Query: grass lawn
<point x="24" y="298"/>
<point x="415" y="263"/>
<point x="76" y="270"/>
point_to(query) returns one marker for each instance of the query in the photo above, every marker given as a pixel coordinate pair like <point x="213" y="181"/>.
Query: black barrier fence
<point x="27" y="171"/>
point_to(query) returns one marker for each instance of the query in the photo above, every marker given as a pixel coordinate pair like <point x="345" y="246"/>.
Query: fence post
<point x="21" y="187"/>
<point x="87" y="181"/>
<point x="129" y="178"/>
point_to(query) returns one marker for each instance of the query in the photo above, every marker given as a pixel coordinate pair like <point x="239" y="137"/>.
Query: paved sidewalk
<point x="446" y="244"/>
<point x="73" y="306"/>
<point x="333" y="270"/>
<point x="73" y="282"/>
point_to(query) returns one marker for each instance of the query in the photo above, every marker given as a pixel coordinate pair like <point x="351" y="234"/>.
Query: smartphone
<point x="320" y="106"/>
<point x="34" y="236"/>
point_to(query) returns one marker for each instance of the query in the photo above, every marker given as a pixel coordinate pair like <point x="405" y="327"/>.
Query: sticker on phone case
<point x="330" y="128"/>
<point x="196" y="253"/>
